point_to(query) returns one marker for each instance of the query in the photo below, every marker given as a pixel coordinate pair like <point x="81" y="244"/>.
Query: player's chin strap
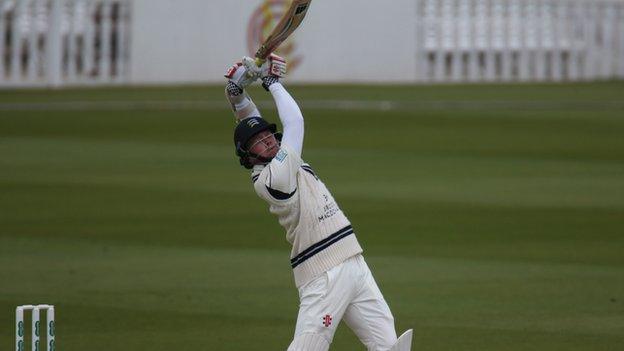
<point x="263" y="160"/>
<point x="404" y="342"/>
<point x="245" y="160"/>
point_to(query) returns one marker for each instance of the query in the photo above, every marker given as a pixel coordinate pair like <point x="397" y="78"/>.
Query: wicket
<point x="19" y="326"/>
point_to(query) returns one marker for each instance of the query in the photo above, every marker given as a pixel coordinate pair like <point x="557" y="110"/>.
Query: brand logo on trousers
<point x="327" y="320"/>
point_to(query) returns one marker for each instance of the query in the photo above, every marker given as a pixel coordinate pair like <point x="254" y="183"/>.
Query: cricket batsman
<point x="332" y="277"/>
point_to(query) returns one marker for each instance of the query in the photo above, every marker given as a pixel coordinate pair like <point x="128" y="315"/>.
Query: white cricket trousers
<point x="346" y="292"/>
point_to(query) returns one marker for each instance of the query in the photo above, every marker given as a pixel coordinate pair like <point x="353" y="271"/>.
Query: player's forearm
<point x="242" y="105"/>
<point x="291" y="117"/>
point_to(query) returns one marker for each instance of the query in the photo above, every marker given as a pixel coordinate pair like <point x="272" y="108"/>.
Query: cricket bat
<point x="286" y="26"/>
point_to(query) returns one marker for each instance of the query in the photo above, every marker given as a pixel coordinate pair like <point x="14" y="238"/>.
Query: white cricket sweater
<point x="320" y="234"/>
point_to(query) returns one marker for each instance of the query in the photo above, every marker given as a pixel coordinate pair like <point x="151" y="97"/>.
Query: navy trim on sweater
<point x="280" y="195"/>
<point x="320" y="246"/>
<point x="309" y="170"/>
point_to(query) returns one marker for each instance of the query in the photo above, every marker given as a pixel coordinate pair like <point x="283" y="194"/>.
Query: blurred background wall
<point x="87" y="42"/>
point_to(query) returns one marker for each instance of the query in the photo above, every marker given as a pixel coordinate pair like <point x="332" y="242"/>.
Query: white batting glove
<point x="274" y="66"/>
<point x="242" y="74"/>
<point x="272" y="70"/>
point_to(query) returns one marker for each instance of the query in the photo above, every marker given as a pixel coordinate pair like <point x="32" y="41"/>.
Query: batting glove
<point x="274" y="66"/>
<point x="272" y="70"/>
<point x="242" y="74"/>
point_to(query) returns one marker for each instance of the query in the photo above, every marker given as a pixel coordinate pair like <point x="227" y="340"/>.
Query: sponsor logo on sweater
<point x="329" y="210"/>
<point x="281" y="155"/>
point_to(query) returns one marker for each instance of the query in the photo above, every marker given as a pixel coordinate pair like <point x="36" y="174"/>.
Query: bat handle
<point x="261" y="55"/>
<point x="260" y="61"/>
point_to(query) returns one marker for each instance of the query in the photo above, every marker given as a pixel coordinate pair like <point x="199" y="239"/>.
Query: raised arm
<point x="289" y="113"/>
<point x="242" y="105"/>
<point x="238" y="78"/>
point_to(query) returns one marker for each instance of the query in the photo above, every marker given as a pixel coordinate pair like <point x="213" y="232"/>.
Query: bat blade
<point x="286" y="26"/>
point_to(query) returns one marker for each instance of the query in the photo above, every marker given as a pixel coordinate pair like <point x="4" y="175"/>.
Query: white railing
<point x="519" y="40"/>
<point x="83" y="42"/>
<point x="63" y="42"/>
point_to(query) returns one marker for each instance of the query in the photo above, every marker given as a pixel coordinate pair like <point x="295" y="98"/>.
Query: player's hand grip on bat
<point x="274" y="66"/>
<point x="272" y="70"/>
<point x="243" y="73"/>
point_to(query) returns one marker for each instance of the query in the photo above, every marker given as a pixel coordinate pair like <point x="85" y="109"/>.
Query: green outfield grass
<point x="492" y="216"/>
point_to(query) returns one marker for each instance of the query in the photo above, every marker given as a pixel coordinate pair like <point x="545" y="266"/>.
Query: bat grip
<point x="260" y="61"/>
<point x="262" y="54"/>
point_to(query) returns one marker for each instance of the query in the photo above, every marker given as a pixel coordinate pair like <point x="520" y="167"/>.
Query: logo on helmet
<point x="252" y="122"/>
